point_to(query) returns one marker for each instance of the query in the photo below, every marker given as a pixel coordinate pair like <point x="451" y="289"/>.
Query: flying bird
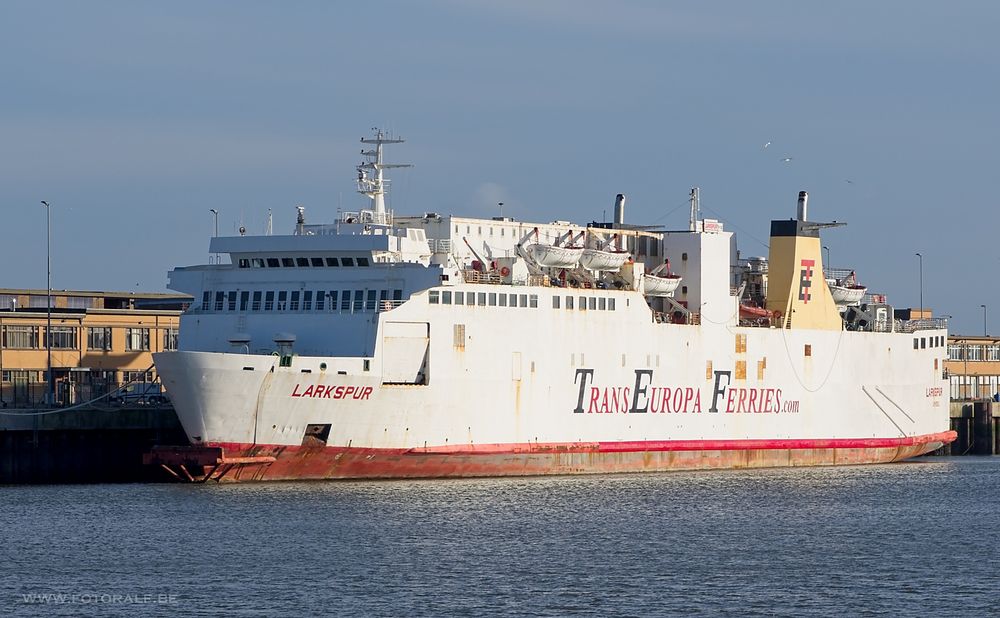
<point x="786" y="159"/>
<point x="766" y="145"/>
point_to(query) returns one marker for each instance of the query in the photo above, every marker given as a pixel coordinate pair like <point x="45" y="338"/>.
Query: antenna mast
<point x="371" y="182"/>
<point x="695" y="208"/>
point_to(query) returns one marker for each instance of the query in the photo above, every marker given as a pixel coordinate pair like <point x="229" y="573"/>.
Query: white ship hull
<point x="635" y="395"/>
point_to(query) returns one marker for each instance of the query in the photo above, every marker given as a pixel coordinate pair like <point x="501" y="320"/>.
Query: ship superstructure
<point x="435" y="345"/>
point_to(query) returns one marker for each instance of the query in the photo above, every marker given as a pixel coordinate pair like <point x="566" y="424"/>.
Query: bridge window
<point x="269" y="300"/>
<point x="481" y="299"/>
<point x="231" y="301"/>
<point x="362" y="261"/>
<point x="533" y="301"/>
<point x="256" y="301"/>
<point x="445" y="298"/>
<point x="434" y="297"/>
<point x="307" y="300"/>
<point x="332" y="261"/>
<point x="273" y="263"/>
<point x="370" y="305"/>
<point x="397" y="295"/>
<point x="244" y="300"/>
<point x="288" y="262"/>
<point x="206" y="300"/>
<point x="316" y="261"/>
<point x="302" y="262"/>
<point x="244" y="263"/>
<point x="282" y="301"/>
<point x="503" y="300"/>
<point x="257" y="262"/>
<point x="220" y="298"/>
<point x="459" y="298"/>
<point x="294" y="304"/>
<point x="345" y="300"/>
<point x="347" y="261"/>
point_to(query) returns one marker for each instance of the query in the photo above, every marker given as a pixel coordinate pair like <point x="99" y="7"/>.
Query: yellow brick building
<point x="98" y="341"/>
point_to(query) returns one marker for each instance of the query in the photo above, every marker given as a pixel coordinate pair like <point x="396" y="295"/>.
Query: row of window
<point x="920" y="343"/>
<point x="495" y="299"/>
<point x="38" y="375"/>
<point x="343" y="301"/>
<point x="303" y="262"/>
<point x="66" y="338"/>
<point x="962" y="352"/>
<point x="491" y="299"/>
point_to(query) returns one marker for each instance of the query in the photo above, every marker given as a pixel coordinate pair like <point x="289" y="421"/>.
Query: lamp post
<point x="985" y="330"/>
<point x="48" y="305"/>
<point x="921" y="259"/>
<point x="215" y="214"/>
<point x="828" y="264"/>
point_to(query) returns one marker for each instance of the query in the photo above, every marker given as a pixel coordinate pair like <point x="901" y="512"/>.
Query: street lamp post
<point x="921" y="259"/>
<point x="215" y="214"/>
<point x="48" y="305"/>
<point x="985" y="329"/>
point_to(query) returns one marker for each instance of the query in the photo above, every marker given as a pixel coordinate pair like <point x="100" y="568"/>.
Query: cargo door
<point x="404" y="352"/>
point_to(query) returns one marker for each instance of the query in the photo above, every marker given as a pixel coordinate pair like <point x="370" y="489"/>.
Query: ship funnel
<point x="803" y="214"/>
<point x="619" y="209"/>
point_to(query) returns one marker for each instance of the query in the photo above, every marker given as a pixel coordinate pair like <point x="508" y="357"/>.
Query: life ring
<point x="504" y="271"/>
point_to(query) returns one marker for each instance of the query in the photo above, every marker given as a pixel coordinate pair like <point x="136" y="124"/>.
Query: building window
<point x="170" y="336"/>
<point x="611" y="304"/>
<point x="512" y="301"/>
<point x="20" y="337"/>
<point x="555" y="302"/>
<point x="569" y="302"/>
<point x="445" y="298"/>
<point x="434" y="297"/>
<point x="137" y="376"/>
<point x="583" y="303"/>
<point x="481" y="299"/>
<point x="99" y="338"/>
<point x="602" y="304"/>
<point x="459" y="298"/>
<point x="136" y="339"/>
<point x="63" y="338"/>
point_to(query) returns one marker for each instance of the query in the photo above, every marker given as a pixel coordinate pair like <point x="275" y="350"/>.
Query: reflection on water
<point x="897" y="539"/>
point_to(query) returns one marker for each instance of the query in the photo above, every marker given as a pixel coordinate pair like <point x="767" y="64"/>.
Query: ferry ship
<point x="433" y="345"/>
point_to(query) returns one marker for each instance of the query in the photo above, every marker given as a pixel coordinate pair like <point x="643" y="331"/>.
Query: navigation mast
<point x="371" y="182"/>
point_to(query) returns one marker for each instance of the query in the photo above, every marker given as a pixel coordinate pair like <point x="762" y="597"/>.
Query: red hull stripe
<point x="641" y="446"/>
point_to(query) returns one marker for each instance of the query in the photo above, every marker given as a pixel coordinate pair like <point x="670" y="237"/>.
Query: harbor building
<point x="99" y="340"/>
<point x="973" y="367"/>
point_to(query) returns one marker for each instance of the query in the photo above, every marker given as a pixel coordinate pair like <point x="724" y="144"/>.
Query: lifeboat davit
<point x="552" y="256"/>
<point x="595" y="259"/>
<point x="660" y="285"/>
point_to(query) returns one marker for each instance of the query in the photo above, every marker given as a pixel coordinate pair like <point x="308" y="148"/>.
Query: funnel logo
<point x="805" y="280"/>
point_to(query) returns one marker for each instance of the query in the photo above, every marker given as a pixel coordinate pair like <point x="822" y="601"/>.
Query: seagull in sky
<point x="766" y="145"/>
<point x="786" y="159"/>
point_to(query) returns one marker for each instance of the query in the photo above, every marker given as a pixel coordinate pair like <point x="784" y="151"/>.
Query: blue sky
<point x="133" y="119"/>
